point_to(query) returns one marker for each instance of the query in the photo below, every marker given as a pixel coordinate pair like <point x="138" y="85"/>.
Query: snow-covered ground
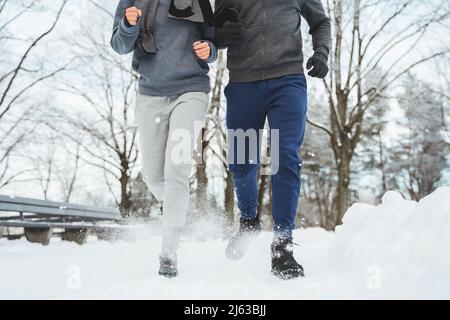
<point x="400" y="249"/>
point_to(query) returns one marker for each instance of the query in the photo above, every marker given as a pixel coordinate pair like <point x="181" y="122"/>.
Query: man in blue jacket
<point x="267" y="81"/>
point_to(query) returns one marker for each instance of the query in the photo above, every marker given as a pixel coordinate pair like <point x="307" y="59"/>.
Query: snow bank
<point x="399" y="249"/>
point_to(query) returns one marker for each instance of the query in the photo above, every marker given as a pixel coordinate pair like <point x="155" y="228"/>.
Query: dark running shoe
<point x="284" y="265"/>
<point x="237" y="247"/>
<point x="167" y="267"/>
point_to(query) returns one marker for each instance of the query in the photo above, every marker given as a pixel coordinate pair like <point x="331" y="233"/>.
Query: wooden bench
<point x="39" y="219"/>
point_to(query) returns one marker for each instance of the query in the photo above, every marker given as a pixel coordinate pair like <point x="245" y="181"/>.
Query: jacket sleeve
<point x="208" y="36"/>
<point x="219" y="8"/>
<point x="124" y="35"/>
<point x="319" y="24"/>
<point x="213" y="56"/>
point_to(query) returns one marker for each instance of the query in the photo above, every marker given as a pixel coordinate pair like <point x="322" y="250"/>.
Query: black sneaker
<point x="167" y="267"/>
<point x="239" y="242"/>
<point x="284" y="265"/>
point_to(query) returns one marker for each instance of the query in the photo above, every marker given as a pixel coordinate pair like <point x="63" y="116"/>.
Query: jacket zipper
<point x="264" y="37"/>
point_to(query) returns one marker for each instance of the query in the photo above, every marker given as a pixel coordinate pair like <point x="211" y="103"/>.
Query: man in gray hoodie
<point x="171" y="52"/>
<point x="267" y="81"/>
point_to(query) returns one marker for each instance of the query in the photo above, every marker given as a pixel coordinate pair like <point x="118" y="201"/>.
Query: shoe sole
<point x="287" y="276"/>
<point x="168" y="275"/>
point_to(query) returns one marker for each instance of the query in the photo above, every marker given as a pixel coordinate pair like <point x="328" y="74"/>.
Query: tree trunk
<point x="124" y="195"/>
<point x="202" y="178"/>
<point x="202" y="183"/>
<point x="125" y="202"/>
<point x="269" y="206"/>
<point x="382" y="165"/>
<point x="342" y="191"/>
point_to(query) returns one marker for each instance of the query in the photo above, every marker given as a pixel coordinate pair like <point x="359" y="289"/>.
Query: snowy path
<point x="399" y="249"/>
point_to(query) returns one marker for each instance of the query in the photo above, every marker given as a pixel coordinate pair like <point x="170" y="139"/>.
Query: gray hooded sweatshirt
<point x="174" y="68"/>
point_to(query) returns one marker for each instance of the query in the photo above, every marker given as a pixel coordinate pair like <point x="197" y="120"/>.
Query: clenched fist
<point x="132" y="15"/>
<point x="318" y="65"/>
<point x="202" y="49"/>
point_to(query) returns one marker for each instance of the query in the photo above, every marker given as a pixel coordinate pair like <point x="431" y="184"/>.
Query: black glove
<point x="229" y="29"/>
<point x="318" y="65"/>
<point x="224" y="15"/>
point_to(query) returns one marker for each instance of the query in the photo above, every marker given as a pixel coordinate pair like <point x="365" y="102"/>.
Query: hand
<point x="132" y="15"/>
<point x="226" y="14"/>
<point x="318" y="65"/>
<point x="202" y="49"/>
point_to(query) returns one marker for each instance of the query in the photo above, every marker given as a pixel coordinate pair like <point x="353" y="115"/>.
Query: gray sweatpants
<point x="168" y="130"/>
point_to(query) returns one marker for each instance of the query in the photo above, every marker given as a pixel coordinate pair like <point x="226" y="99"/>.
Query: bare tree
<point x="417" y="161"/>
<point x="387" y="43"/>
<point x="44" y="165"/>
<point x="17" y="78"/>
<point x="318" y="175"/>
<point x="105" y="129"/>
<point x="67" y="175"/>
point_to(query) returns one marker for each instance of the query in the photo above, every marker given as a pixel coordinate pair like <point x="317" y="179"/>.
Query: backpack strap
<point x="207" y="11"/>
<point x="146" y="38"/>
